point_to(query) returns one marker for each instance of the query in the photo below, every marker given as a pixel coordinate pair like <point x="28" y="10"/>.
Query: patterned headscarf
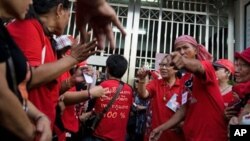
<point x="202" y="53"/>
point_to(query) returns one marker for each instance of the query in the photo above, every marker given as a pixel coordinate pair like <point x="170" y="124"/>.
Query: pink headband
<point x="202" y="53"/>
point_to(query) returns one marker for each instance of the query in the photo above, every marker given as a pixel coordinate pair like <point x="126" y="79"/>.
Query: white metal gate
<point x="153" y="25"/>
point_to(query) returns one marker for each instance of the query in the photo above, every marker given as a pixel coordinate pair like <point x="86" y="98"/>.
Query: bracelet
<point x="40" y="117"/>
<point x="89" y="94"/>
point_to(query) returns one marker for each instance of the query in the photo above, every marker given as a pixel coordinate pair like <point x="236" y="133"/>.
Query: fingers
<point x="177" y="61"/>
<point x="110" y="36"/>
<point x="118" y="24"/>
<point x="100" y="39"/>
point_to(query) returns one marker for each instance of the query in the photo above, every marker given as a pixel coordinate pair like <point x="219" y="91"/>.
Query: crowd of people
<point x="44" y="81"/>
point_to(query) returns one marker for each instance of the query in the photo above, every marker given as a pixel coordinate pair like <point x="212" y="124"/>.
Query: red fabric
<point x="242" y="89"/>
<point x="204" y="119"/>
<point x="245" y="55"/>
<point x="69" y="117"/>
<point x="160" y="112"/>
<point x="226" y="64"/>
<point x="202" y="54"/>
<point x="113" y="125"/>
<point x="29" y="36"/>
<point x="228" y="98"/>
<point x="60" y="134"/>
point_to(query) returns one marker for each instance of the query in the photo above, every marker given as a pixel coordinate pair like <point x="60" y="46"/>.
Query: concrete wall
<point x="239" y="6"/>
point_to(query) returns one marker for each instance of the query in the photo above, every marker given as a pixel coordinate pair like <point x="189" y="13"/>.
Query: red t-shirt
<point x="69" y="117"/>
<point x="204" y="119"/>
<point x="158" y="89"/>
<point x="228" y="97"/>
<point x="30" y="37"/>
<point x="113" y="125"/>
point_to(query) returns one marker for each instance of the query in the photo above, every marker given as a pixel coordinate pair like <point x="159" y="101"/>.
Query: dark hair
<point x="117" y="65"/>
<point x="44" y="6"/>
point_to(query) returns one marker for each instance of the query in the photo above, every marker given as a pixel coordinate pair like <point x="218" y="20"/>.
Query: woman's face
<point x="222" y="73"/>
<point x="166" y="70"/>
<point x="16" y="8"/>
<point x="186" y="49"/>
<point x="62" y="21"/>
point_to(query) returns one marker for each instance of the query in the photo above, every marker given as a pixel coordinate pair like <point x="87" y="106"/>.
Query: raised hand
<point x="98" y="91"/>
<point x="142" y="73"/>
<point x="99" y="15"/>
<point x="82" y="51"/>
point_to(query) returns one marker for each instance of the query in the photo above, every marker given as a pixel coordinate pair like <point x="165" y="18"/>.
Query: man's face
<point x="186" y="49"/>
<point x="242" y="70"/>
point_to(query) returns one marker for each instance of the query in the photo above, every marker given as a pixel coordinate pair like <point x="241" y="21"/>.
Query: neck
<point x="223" y="84"/>
<point x="225" y="87"/>
<point x="111" y="77"/>
<point x="170" y="81"/>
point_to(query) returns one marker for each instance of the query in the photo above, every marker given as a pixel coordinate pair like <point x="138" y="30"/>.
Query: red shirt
<point x="158" y="89"/>
<point x="228" y="97"/>
<point x="69" y="117"/>
<point x="113" y="125"/>
<point x="30" y="37"/>
<point x="204" y="119"/>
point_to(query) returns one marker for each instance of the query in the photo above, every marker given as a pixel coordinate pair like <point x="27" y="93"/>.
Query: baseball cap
<point x="225" y="63"/>
<point x="244" y="55"/>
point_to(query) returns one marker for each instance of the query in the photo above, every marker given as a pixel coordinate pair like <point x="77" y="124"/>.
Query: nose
<point x="182" y="51"/>
<point x="237" y="68"/>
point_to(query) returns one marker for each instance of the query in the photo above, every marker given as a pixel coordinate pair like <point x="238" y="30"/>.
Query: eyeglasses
<point x="164" y="65"/>
<point x="217" y="68"/>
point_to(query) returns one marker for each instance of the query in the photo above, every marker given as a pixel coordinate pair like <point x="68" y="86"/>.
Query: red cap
<point x="225" y="63"/>
<point x="244" y="55"/>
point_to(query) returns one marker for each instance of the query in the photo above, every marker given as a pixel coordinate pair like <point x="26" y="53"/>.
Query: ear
<point x="59" y="10"/>
<point x="196" y="50"/>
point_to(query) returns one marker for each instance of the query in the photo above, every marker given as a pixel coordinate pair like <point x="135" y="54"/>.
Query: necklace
<point x="166" y="94"/>
<point x="225" y="89"/>
<point x="164" y="97"/>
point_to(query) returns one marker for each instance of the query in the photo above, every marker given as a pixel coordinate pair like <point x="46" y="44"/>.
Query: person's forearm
<point x="142" y="91"/>
<point x="14" y="118"/>
<point x="50" y="71"/>
<point x="66" y="85"/>
<point x="12" y="115"/>
<point x="194" y="66"/>
<point x="175" y="119"/>
<point x="34" y="113"/>
<point x="75" y="97"/>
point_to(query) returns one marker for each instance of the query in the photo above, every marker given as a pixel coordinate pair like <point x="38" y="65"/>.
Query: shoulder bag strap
<point x="113" y="98"/>
<point x="100" y="115"/>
